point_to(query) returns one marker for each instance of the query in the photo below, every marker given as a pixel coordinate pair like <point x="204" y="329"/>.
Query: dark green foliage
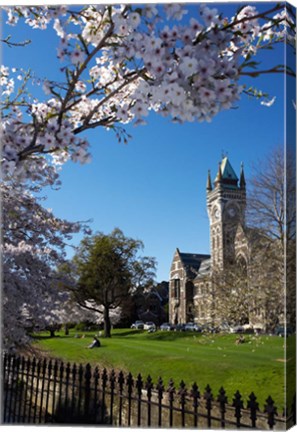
<point x="108" y="270"/>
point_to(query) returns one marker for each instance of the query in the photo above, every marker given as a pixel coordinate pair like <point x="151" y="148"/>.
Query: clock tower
<point x="226" y="202"/>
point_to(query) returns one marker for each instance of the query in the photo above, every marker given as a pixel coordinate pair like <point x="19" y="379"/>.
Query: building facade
<point x="194" y="277"/>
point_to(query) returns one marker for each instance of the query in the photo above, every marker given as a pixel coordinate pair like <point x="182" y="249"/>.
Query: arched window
<point x="189" y="291"/>
<point x="241" y="263"/>
<point x="176" y="288"/>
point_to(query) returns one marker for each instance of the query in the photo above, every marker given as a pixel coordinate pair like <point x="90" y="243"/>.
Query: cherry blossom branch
<point x="262" y="15"/>
<point x="108" y="97"/>
<point x="81" y="70"/>
<point x="15" y="44"/>
<point x="277" y="69"/>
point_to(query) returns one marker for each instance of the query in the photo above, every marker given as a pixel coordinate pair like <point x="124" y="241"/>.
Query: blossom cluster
<point x="53" y="138"/>
<point x="34" y="242"/>
<point x="121" y="62"/>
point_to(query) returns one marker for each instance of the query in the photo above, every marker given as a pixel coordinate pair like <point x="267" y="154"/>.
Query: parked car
<point x="197" y="328"/>
<point x="179" y="327"/>
<point x="281" y="331"/>
<point x="166" y="327"/>
<point x="192" y="327"/>
<point x="138" y="325"/>
<point x="237" y="329"/>
<point x="224" y="327"/>
<point x="248" y="329"/>
<point x="149" y="326"/>
<point x="209" y="328"/>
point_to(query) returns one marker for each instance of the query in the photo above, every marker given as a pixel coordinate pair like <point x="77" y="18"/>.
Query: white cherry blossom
<point x="188" y="66"/>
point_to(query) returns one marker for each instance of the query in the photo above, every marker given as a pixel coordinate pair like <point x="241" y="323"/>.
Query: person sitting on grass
<point x="240" y="340"/>
<point x="95" y="343"/>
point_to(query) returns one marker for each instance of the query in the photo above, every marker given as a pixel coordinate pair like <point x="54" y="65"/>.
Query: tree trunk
<point x="66" y="330"/>
<point x="52" y="332"/>
<point x="107" y="324"/>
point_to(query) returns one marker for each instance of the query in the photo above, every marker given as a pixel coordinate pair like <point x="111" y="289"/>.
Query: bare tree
<point x="263" y="290"/>
<point x="272" y="212"/>
<point x="272" y="197"/>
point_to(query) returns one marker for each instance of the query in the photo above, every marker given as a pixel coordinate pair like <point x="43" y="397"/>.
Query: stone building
<point x="191" y="286"/>
<point x="152" y="304"/>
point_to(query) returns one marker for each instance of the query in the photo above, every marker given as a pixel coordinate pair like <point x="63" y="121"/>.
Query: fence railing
<point x="46" y="391"/>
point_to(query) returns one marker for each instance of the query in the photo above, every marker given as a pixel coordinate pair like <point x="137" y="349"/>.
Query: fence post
<point x="104" y="379"/>
<point x="27" y="372"/>
<point x="61" y="375"/>
<point x="238" y="405"/>
<point x="223" y="400"/>
<point x="49" y="373"/>
<point x="160" y="389"/>
<point x="149" y="386"/>
<point x="7" y="366"/>
<point x="139" y="385"/>
<point x="88" y="375"/>
<point x="33" y="366"/>
<point x="195" y="394"/>
<point x="17" y="387"/>
<point x="253" y="406"/>
<point x="129" y="383"/>
<point x="182" y="392"/>
<point x="13" y="388"/>
<point x="121" y="381"/>
<point x="96" y="380"/>
<point x="171" y="391"/>
<point x="208" y="398"/>
<point x="80" y="388"/>
<point x="67" y="378"/>
<point x="271" y="411"/>
<point x="55" y="375"/>
<point x="73" y="384"/>
<point x="21" y="385"/>
<point x="112" y="381"/>
<point x="42" y="389"/>
<point x="37" y="389"/>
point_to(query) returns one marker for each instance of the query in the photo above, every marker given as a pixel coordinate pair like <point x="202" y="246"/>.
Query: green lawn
<point x="257" y="365"/>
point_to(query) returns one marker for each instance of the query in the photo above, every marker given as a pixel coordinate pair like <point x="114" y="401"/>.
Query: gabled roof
<point x="226" y="175"/>
<point x="204" y="269"/>
<point x="228" y="172"/>
<point x="192" y="262"/>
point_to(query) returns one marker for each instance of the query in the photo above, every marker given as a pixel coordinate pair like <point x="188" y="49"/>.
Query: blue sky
<point x="154" y="188"/>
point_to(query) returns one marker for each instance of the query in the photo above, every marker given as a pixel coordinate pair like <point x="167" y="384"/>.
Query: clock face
<point x="231" y="212"/>
<point x="217" y="213"/>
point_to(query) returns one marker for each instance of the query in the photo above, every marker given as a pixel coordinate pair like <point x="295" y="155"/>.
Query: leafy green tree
<point x="108" y="269"/>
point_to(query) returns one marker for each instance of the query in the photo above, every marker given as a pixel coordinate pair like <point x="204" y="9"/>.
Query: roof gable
<point x="192" y="262"/>
<point x="228" y="172"/>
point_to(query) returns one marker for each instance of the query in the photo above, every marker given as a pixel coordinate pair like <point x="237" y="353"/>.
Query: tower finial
<point x="208" y="185"/>
<point x="224" y="154"/>
<point x="219" y="176"/>
<point x="242" y="183"/>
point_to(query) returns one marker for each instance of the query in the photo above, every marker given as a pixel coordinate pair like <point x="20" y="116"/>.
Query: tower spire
<point x="208" y="185"/>
<point x="219" y="176"/>
<point x="242" y="183"/>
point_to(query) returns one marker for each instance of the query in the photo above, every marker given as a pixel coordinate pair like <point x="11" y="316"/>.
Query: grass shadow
<point x="128" y="332"/>
<point x="45" y="337"/>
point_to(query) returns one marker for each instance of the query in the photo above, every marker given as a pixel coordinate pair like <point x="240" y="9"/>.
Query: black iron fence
<point x="46" y="391"/>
